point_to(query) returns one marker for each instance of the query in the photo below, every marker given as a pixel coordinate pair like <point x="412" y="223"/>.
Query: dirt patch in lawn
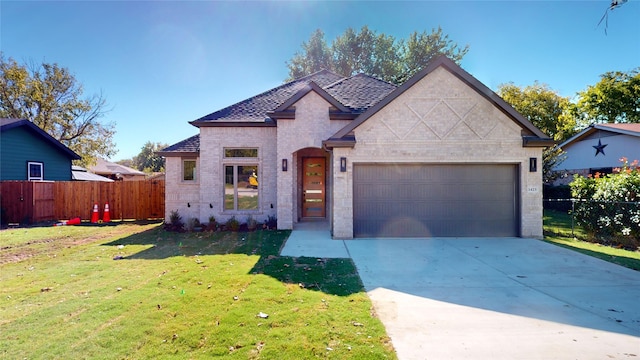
<point x="23" y="243"/>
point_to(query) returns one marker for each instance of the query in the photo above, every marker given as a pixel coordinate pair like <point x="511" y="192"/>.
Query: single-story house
<point x="599" y="148"/>
<point x="441" y="155"/>
<point x="29" y="153"/>
<point x="116" y="171"/>
<point x="79" y="173"/>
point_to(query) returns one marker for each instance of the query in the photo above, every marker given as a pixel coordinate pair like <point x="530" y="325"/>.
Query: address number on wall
<point x="532" y="189"/>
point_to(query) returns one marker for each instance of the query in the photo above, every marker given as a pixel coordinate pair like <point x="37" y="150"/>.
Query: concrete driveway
<point x="499" y="299"/>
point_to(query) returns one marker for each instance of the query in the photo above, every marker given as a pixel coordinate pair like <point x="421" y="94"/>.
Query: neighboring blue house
<point x="28" y="153"/>
<point x="598" y="149"/>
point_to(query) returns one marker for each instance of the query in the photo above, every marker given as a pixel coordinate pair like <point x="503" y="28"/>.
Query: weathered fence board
<point x="25" y="202"/>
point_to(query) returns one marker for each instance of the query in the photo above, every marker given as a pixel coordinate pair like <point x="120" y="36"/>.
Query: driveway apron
<point x="507" y="298"/>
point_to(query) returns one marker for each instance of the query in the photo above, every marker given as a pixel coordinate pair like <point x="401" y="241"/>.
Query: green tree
<point x="51" y="97"/>
<point x="147" y="160"/>
<point x="549" y="112"/>
<point x="420" y="48"/>
<point x="126" y="162"/>
<point x="544" y="107"/>
<point x="378" y="55"/>
<point x="614" y="99"/>
<point x="365" y="52"/>
<point x="315" y="56"/>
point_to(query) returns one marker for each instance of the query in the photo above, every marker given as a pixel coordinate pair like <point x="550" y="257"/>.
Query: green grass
<point x="138" y="292"/>
<point x="558" y="230"/>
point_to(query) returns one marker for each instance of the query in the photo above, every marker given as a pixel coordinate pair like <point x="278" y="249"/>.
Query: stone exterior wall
<point x="439" y="120"/>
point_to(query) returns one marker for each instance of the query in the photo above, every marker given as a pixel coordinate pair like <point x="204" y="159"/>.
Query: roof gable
<point x="8" y="124"/>
<point x="283" y="111"/>
<point x="534" y="136"/>
<point x="614" y="129"/>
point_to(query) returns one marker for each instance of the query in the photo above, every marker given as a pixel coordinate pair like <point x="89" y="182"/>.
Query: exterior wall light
<point x="343" y="164"/>
<point x="284" y="165"/>
<point x="533" y="164"/>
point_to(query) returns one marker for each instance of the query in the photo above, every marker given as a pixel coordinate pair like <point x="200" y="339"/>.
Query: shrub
<point x="251" y="223"/>
<point x="271" y="223"/>
<point x="232" y="224"/>
<point x="175" y="221"/>
<point x="212" y="225"/>
<point x="609" y="206"/>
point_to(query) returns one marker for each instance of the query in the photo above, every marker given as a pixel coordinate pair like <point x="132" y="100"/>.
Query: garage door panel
<point x="415" y="200"/>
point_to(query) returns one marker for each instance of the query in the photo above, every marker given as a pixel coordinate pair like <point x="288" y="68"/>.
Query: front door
<point x="313" y="187"/>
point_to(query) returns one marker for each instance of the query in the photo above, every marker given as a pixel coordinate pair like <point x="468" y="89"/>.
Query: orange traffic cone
<point x="95" y="215"/>
<point x="105" y="215"/>
<point x="74" y="221"/>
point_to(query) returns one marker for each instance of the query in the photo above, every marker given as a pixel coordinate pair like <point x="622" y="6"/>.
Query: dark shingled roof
<point x="360" y="91"/>
<point x="357" y="93"/>
<point x="255" y="109"/>
<point x="190" y="145"/>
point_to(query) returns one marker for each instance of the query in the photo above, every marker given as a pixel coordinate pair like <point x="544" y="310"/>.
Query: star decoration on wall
<point x="600" y="148"/>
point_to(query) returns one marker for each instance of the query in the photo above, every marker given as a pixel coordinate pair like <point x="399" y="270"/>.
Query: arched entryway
<point x="313" y="191"/>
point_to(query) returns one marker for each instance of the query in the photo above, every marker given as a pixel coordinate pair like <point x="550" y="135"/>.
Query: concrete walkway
<point x="448" y="298"/>
<point x="313" y="239"/>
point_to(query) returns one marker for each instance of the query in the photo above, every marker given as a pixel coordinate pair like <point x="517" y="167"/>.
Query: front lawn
<point x="558" y="230"/>
<point x="136" y="291"/>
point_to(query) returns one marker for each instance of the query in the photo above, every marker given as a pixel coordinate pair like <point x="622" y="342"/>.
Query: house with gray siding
<point x="440" y="155"/>
<point x="599" y="148"/>
<point x="28" y="153"/>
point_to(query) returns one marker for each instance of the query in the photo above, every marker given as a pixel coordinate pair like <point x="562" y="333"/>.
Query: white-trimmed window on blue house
<point x="189" y="170"/>
<point x="35" y="171"/>
<point x="241" y="183"/>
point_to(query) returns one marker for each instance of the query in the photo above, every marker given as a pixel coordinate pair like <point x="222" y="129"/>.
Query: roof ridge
<point x="323" y="70"/>
<point x="305" y="79"/>
<point x="621" y="128"/>
<point x="360" y="74"/>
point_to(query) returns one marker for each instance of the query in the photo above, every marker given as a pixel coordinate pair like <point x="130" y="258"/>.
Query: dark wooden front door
<point x="313" y="187"/>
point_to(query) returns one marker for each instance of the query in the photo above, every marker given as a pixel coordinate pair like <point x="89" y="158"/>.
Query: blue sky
<point x="161" y="64"/>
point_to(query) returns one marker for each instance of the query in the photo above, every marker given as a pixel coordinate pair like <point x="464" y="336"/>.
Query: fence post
<point x="573" y="214"/>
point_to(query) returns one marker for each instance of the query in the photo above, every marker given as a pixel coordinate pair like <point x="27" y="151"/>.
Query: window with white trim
<point x="35" y="170"/>
<point x="189" y="170"/>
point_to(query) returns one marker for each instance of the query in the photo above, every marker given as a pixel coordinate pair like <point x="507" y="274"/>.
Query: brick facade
<point x="309" y="128"/>
<point x="439" y="119"/>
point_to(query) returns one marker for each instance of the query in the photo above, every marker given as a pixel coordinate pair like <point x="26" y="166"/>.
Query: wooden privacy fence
<point x="35" y="201"/>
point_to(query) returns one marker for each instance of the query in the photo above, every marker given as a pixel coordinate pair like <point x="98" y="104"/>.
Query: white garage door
<point x="418" y="200"/>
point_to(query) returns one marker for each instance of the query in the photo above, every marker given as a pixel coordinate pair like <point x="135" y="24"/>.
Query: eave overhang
<point x="345" y="142"/>
<point x="291" y="115"/>
<point x="534" y="141"/>
<point x="266" y="123"/>
<point x="178" y="153"/>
